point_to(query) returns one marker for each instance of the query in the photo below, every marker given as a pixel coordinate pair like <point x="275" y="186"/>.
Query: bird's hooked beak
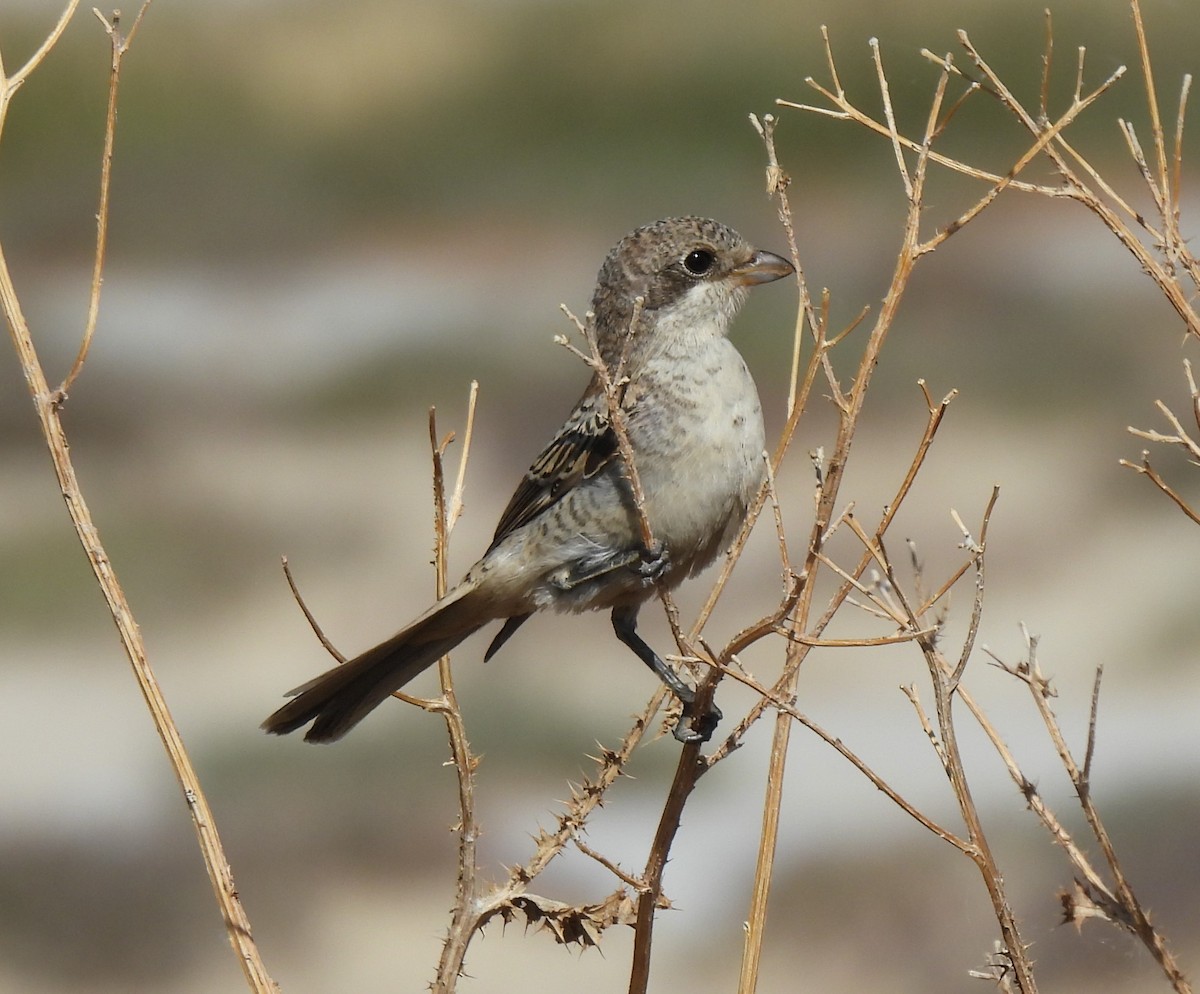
<point x="762" y="267"/>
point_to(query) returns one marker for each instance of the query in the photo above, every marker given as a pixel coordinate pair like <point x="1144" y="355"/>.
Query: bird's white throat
<point x="703" y="313"/>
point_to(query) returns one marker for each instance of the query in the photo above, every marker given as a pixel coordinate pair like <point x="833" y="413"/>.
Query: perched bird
<point x="570" y="538"/>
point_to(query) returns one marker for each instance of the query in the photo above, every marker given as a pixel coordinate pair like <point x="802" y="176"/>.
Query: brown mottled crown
<point x="649" y="262"/>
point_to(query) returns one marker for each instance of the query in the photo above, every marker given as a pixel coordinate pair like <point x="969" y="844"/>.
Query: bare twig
<point x="1181" y="439"/>
<point x="946" y="685"/>
<point x="1152" y="475"/>
<point x="327" y="644"/>
<point x="1095" y="898"/>
<point x="10" y="84"/>
<point x="931" y="734"/>
<point x="312" y="621"/>
<point x="464" y="915"/>
<point x="590" y="793"/>
<point x="687" y="772"/>
<point x="850" y="407"/>
<point x="1077" y="188"/>
<point x="612" y="382"/>
<point x="1090" y="751"/>
<point x="454" y="511"/>
<point x="1151" y="100"/>
<point x="46" y="402"/>
<point x="628" y="878"/>
<point x="120" y="45"/>
<point x="1047" y="62"/>
<point x="777" y="184"/>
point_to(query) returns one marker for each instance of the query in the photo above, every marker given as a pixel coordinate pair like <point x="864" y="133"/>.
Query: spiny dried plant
<point x="872" y="583"/>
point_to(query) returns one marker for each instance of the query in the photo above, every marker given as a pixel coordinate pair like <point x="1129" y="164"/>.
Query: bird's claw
<point x="653" y="563"/>
<point x="692" y="727"/>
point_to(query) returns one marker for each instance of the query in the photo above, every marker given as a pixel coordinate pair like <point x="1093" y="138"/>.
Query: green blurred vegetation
<point x="258" y="129"/>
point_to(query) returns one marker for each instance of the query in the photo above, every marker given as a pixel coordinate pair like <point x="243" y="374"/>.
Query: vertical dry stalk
<point x="475" y="905"/>
<point x="47" y="403"/>
<point x="850" y="407"/>
<point x="1167" y="259"/>
<point x="689" y="768"/>
<point x="462" y="926"/>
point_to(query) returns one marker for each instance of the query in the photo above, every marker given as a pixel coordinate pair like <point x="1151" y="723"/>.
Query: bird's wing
<point x="584" y="445"/>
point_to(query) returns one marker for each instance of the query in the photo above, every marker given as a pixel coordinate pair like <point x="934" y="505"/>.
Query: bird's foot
<point x="647" y="564"/>
<point x="692" y="727"/>
<point x="652" y="563"/>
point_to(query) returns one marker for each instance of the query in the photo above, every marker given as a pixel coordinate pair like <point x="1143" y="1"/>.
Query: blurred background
<point x="327" y="219"/>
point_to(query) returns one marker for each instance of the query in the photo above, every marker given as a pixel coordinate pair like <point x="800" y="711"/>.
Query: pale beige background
<point x="327" y="219"/>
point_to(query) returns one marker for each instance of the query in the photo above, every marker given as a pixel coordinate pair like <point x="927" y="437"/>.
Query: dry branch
<point x="48" y="404"/>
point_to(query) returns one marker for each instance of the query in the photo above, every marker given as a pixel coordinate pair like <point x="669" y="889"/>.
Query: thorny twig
<point x="462" y="923"/>
<point x="1093" y="896"/>
<point x="1010" y="966"/>
<point x="792" y="619"/>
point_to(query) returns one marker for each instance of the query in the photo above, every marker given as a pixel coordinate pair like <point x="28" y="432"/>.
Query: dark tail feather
<point x="340" y="698"/>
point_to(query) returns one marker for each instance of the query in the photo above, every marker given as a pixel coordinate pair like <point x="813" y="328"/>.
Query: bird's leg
<point x="570" y="577"/>
<point x="649" y="564"/>
<point x="691" y="727"/>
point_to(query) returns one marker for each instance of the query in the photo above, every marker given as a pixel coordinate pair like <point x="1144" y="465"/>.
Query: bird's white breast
<point x="698" y="438"/>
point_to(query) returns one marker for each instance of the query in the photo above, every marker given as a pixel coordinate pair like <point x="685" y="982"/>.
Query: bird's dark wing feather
<point x="584" y="445"/>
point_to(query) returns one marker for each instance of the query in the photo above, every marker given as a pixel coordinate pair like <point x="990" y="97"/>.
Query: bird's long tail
<point x="340" y="698"/>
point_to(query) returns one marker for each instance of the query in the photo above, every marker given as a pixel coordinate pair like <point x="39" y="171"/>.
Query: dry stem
<point x="47" y="403"/>
<point x="850" y="407"/>
<point x="1166" y="259"/>
<point x="1093" y="896"/>
<point x="1181" y="439"/>
<point x="462" y="925"/>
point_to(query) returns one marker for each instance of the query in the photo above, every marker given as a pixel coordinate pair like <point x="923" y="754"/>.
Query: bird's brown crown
<point x="661" y="262"/>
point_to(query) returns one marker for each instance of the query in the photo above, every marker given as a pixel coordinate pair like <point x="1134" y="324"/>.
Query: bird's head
<point x="692" y="274"/>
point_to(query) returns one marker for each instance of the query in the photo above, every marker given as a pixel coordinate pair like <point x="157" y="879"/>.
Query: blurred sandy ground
<point x="325" y="222"/>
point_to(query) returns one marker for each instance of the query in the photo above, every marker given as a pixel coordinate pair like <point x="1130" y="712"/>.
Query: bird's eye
<point x="698" y="261"/>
